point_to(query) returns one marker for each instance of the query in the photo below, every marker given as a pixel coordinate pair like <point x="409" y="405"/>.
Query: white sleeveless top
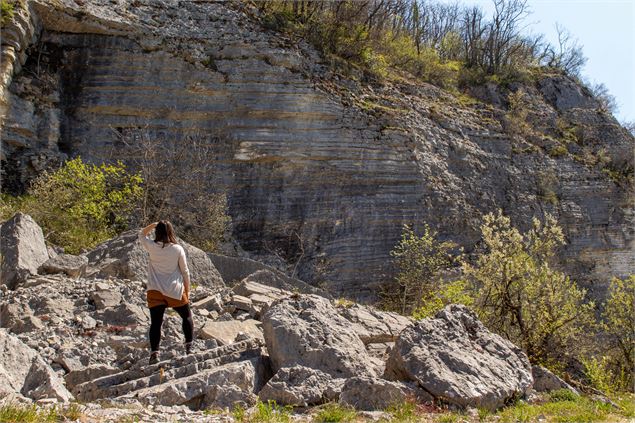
<point x="166" y="267"/>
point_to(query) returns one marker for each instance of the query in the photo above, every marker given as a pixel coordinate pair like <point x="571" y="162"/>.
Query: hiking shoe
<point x="188" y="348"/>
<point x="154" y="358"/>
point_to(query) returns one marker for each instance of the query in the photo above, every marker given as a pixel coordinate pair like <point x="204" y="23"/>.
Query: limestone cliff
<point x="307" y="150"/>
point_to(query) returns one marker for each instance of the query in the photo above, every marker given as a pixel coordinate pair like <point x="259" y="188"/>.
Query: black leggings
<point x="156" y="320"/>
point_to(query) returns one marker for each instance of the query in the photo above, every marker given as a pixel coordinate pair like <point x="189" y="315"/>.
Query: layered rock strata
<point x="319" y="167"/>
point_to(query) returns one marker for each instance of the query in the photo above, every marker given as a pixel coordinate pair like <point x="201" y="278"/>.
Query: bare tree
<point x="181" y="181"/>
<point x="567" y="55"/>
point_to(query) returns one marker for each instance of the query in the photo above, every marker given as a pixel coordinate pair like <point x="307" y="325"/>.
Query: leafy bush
<point x="519" y="293"/>
<point x="80" y="204"/>
<point x="453" y="292"/>
<point x="419" y="261"/>
<point x="563" y="395"/>
<point x="614" y="371"/>
<point x="7" y="10"/>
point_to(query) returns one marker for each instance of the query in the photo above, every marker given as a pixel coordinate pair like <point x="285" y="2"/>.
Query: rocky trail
<point x="75" y="330"/>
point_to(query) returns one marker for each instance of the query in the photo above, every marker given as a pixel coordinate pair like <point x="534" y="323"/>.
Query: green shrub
<point x="563" y="395"/>
<point x="7" y="10"/>
<point x="270" y="412"/>
<point x="80" y="204"/>
<point x="403" y="412"/>
<point x="619" y="324"/>
<point x="419" y="261"/>
<point x="454" y="292"/>
<point x="19" y="413"/>
<point x="521" y="295"/>
<point x="334" y="412"/>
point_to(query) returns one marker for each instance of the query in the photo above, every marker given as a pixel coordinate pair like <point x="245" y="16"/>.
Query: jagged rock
<point x="123" y="257"/>
<point x="22" y="249"/>
<point x="19" y="318"/>
<point x="91" y="372"/>
<point x="301" y="387"/>
<point x="124" y="315"/>
<point x="374" y="326"/>
<point x="306" y="330"/>
<point x="42" y="382"/>
<point x="15" y="363"/>
<point x="73" y="266"/>
<point x="228" y="397"/>
<point x="456" y="359"/>
<point x="546" y="381"/>
<point x="210" y="303"/>
<point x="365" y="393"/>
<point x="226" y="332"/>
<point x="105" y="299"/>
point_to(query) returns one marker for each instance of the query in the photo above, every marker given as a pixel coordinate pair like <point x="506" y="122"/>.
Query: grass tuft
<point x="334" y="412"/>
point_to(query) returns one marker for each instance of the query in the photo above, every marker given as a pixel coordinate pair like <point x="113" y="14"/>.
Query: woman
<point x="168" y="283"/>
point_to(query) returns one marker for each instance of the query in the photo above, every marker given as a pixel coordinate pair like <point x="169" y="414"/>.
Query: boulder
<point x="226" y="332"/>
<point x="19" y="318"/>
<point x="545" y="381"/>
<point x="105" y="299"/>
<point x="22" y="249"/>
<point x="73" y="266"/>
<point x="374" y="326"/>
<point x="23" y="371"/>
<point x="456" y="359"/>
<point x="15" y="363"/>
<point x="306" y="330"/>
<point x="368" y="394"/>
<point x="124" y="315"/>
<point x="42" y="382"/>
<point x="124" y="257"/>
<point x="301" y="386"/>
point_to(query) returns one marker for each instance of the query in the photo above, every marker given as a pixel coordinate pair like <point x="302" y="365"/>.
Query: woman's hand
<point x="149" y="228"/>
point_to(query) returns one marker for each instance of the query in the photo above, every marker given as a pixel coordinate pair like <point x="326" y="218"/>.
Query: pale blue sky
<point x="605" y="29"/>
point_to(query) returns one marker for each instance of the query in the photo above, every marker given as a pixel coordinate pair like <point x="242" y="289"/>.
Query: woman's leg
<point x="188" y="322"/>
<point x="156" y="320"/>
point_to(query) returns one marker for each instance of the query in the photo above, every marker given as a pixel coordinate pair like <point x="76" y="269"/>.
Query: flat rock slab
<point x="306" y="330"/>
<point x="226" y="332"/>
<point x="457" y="360"/>
<point x="372" y="325"/>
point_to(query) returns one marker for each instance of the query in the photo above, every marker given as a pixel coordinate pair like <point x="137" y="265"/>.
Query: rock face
<point x="225" y="333"/>
<point x="456" y="359"/>
<point x="125" y="258"/>
<point x="306" y="330"/>
<point x="307" y="150"/>
<point x="43" y="382"/>
<point x="22" y="248"/>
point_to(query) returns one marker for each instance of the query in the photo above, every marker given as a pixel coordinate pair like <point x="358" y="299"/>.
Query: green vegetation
<point x="519" y="292"/>
<point x="7" y="10"/>
<point x="419" y="261"/>
<point x="443" y="43"/>
<point x="334" y="413"/>
<point x="80" y="204"/>
<point x="516" y="118"/>
<point x="21" y="413"/>
<point x="262" y="412"/>
<point x="404" y="412"/>
<point x="616" y="368"/>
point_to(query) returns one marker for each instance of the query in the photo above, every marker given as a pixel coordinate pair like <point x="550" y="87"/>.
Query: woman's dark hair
<point x="164" y="232"/>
